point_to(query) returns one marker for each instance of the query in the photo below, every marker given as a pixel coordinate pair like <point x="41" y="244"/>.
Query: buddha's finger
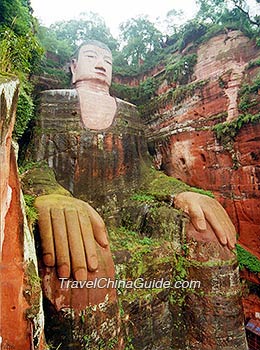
<point x="46" y="234"/>
<point x="61" y="242"/>
<point x="88" y="241"/>
<point x="197" y="216"/>
<point x="98" y="226"/>
<point x="78" y="259"/>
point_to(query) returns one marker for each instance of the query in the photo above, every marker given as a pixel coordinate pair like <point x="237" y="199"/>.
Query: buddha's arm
<point x="69" y="228"/>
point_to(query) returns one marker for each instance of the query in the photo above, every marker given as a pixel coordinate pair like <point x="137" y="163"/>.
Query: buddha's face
<point x="93" y="63"/>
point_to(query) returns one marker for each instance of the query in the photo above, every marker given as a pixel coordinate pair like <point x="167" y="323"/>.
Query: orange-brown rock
<point x="13" y="303"/>
<point x="187" y="148"/>
<point x="21" y="322"/>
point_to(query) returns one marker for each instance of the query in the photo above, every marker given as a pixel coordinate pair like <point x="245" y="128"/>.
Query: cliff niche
<point x="111" y="169"/>
<point x="202" y="127"/>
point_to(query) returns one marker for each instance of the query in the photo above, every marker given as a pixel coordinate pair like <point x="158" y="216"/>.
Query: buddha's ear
<point x="73" y="68"/>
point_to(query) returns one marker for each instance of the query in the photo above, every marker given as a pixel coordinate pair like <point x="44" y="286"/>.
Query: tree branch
<point x="247" y="14"/>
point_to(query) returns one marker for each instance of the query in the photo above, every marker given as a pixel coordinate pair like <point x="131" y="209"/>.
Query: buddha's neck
<point x="92" y="86"/>
<point x="97" y="107"/>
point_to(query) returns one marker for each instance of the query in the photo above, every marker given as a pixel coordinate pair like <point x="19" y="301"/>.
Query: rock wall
<point x="224" y="88"/>
<point x="186" y="147"/>
<point x="20" y="292"/>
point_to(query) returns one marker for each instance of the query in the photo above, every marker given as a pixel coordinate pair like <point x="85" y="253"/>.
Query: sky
<point x="114" y="12"/>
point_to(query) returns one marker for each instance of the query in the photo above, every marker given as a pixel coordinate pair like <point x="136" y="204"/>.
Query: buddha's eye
<point x="108" y="62"/>
<point x="89" y="54"/>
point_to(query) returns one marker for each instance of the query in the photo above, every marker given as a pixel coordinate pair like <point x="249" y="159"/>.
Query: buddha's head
<point x="92" y="61"/>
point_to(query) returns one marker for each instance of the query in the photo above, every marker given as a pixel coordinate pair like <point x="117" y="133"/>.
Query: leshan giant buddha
<point x="96" y="145"/>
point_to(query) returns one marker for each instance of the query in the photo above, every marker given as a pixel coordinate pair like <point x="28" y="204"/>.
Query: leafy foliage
<point x="140" y="38"/>
<point x="253" y="64"/>
<point x="190" y="32"/>
<point x="20" y="53"/>
<point x="25" y="110"/>
<point x="225" y="12"/>
<point x="16" y="14"/>
<point x="227" y="131"/>
<point x="248" y="94"/>
<point x="248" y="260"/>
<point x="88" y="26"/>
<point x="211" y="10"/>
<point x="31" y="212"/>
<point x="181" y="70"/>
<point x="51" y="44"/>
<point x="174" y="95"/>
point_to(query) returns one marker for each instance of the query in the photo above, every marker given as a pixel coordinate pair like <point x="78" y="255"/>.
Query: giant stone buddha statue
<point x="96" y="145"/>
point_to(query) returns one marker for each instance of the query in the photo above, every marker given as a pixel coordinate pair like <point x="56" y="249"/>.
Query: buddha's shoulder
<point x="70" y="98"/>
<point x="124" y="106"/>
<point x="59" y="95"/>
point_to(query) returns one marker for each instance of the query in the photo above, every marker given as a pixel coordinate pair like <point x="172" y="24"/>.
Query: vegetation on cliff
<point x="247" y="260"/>
<point x="140" y="47"/>
<point x="227" y="131"/>
<point x="21" y="52"/>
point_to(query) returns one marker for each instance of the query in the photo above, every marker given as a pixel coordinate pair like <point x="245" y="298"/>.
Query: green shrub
<point x="181" y="71"/>
<point x="25" y="110"/>
<point x="227" y="131"/>
<point x="247" y="260"/>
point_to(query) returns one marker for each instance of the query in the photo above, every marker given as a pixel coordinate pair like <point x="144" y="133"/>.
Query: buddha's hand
<point x="200" y="209"/>
<point x="69" y="229"/>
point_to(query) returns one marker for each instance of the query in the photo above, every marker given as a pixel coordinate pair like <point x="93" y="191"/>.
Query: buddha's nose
<point x="100" y="65"/>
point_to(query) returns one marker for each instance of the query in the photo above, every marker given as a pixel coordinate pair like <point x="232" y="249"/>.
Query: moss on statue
<point x="145" y="260"/>
<point x="161" y="187"/>
<point x="40" y="180"/>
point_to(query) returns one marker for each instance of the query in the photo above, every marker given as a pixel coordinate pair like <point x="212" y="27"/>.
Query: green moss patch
<point x="40" y="180"/>
<point x="247" y="260"/>
<point x="227" y="131"/>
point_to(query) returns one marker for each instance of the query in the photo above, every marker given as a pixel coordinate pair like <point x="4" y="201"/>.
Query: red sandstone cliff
<point x="21" y="316"/>
<point x="187" y="147"/>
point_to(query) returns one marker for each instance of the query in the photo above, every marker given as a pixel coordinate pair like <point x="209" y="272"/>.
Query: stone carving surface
<point x="96" y="145"/>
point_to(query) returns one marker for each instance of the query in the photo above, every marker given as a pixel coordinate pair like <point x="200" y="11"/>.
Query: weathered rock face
<point x="9" y="95"/>
<point x="20" y="295"/>
<point x="187" y="148"/>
